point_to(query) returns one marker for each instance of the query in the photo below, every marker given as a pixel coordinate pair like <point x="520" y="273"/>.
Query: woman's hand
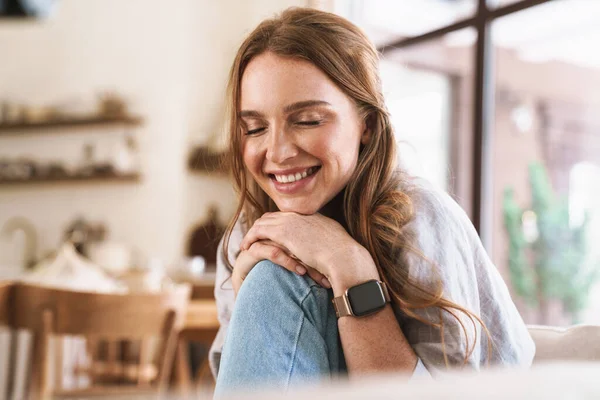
<point x="316" y="241"/>
<point x="268" y="250"/>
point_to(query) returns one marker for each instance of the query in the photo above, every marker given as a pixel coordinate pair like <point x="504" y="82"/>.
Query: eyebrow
<point x="287" y="109"/>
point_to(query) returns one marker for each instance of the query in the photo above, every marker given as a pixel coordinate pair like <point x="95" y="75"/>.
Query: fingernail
<point x="301" y="270"/>
<point x="326" y="283"/>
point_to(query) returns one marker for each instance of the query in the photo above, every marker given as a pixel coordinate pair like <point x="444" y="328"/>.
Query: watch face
<point x="366" y="298"/>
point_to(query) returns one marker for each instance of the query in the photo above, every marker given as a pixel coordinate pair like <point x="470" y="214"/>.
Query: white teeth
<point x="294" y="177"/>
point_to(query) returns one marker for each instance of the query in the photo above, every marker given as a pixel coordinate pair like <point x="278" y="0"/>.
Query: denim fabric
<point x="283" y="333"/>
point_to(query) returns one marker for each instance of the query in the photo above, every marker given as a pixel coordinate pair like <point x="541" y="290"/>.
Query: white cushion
<point x="575" y="343"/>
<point x="565" y="380"/>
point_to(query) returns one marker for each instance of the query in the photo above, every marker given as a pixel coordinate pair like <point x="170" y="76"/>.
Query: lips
<point x="286" y="182"/>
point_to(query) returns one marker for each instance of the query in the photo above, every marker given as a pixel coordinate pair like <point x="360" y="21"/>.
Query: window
<point x="419" y="104"/>
<point x="495" y="101"/>
<point x="546" y="157"/>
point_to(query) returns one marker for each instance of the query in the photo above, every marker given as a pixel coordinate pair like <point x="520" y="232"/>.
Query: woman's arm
<point x="374" y="343"/>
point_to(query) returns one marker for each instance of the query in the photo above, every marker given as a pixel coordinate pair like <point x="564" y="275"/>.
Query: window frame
<point x="483" y="104"/>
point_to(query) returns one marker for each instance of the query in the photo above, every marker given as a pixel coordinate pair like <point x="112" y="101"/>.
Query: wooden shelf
<point x="70" y="123"/>
<point x="204" y="160"/>
<point x="74" y="179"/>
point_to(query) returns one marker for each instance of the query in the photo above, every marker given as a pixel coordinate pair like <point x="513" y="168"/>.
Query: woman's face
<point x="301" y="132"/>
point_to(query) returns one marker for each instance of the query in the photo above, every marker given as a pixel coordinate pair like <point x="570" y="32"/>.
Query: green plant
<point x="551" y="264"/>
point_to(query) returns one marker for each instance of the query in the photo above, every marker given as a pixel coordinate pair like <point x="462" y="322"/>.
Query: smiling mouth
<point x="298" y="176"/>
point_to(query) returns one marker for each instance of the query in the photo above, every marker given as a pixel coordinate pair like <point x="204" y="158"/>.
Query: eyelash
<point x="254" y="131"/>
<point x="303" y="123"/>
<point x="309" y="123"/>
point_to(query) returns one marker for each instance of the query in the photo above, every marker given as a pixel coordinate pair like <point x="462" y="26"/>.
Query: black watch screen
<point x="366" y="298"/>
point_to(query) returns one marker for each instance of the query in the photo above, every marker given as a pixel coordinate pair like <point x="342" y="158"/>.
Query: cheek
<point x="340" y="146"/>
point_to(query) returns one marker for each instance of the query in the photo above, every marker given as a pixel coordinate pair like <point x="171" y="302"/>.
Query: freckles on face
<point x="301" y="133"/>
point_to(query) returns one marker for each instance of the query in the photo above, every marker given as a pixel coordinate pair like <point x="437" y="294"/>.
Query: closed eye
<point x="255" y="131"/>
<point x="309" y="123"/>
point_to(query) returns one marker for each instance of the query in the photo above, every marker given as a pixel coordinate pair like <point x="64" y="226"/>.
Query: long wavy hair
<point x="376" y="210"/>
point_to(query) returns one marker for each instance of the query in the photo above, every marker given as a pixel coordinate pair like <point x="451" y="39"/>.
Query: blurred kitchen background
<point x="111" y="115"/>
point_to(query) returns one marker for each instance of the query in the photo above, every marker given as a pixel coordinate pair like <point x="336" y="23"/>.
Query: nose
<point x="281" y="146"/>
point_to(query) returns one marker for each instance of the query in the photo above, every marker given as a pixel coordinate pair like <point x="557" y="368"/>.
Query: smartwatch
<point x="361" y="300"/>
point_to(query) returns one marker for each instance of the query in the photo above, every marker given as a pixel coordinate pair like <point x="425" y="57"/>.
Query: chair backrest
<point x="6" y="289"/>
<point x="574" y="343"/>
<point x="117" y="316"/>
<point x="98" y="316"/>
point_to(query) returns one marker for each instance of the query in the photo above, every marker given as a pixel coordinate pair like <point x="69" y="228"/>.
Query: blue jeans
<point x="283" y="333"/>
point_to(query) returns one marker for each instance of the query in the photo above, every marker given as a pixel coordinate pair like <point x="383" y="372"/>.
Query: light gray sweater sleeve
<point x="454" y="256"/>
<point x="224" y="295"/>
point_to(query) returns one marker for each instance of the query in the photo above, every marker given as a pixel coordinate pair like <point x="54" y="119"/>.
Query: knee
<point x="271" y="283"/>
<point x="266" y="271"/>
<point x="271" y="290"/>
<point x="271" y="279"/>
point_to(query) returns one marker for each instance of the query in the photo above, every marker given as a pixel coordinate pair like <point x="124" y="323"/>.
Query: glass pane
<point x="388" y="20"/>
<point x="428" y="89"/>
<point x="500" y="3"/>
<point x="419" y="103"/>
<point x="547" y="160"/>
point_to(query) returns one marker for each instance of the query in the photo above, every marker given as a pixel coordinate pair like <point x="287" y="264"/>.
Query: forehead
<point x="270" y="82"/>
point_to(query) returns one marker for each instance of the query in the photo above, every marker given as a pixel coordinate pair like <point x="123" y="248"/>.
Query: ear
<point x="366" y="131"/>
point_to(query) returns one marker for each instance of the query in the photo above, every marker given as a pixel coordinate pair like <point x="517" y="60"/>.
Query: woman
<point x="325" y="214"/>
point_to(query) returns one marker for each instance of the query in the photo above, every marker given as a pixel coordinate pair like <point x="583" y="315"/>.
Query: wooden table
<point x="201" y="314"/>
<point x="201" y="326"/>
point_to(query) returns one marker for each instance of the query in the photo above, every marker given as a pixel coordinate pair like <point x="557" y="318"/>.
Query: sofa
<point x="575" y="343"/>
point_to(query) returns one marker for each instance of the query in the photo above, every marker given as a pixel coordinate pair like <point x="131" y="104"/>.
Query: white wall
<point x="171" y="62"/>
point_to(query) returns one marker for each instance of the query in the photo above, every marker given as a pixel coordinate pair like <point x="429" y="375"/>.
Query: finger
<point x="236" y="282"/>
<point x="272" y="243"/>
<point x="256" y="233"/>
<point x="318" y="277"/>
<point x="244" y="263"/>
<point x="268" y="218"/>
<point x="275" y="218"/>
<point x="270" y="215"/>
<point x="277" y="255"/>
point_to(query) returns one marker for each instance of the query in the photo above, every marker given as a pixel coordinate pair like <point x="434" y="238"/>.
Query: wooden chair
<point x="6" y="290"/>
<point x="139" y="318"/>
<point x="5" y="294"/>
<point x="201" y="327"/>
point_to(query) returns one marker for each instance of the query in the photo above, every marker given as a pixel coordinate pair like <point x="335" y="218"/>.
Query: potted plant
<point x="547" y="255"/>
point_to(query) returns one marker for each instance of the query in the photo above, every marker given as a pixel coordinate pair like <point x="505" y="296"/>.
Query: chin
<point x="305" y="209"/>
